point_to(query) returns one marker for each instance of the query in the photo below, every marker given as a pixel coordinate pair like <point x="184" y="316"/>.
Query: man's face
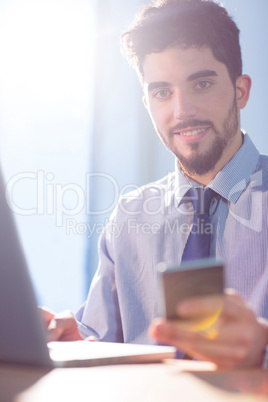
<point x="192" y="103"/>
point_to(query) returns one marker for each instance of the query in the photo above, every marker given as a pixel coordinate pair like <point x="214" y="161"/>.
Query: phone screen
<point x="197" y="278"/>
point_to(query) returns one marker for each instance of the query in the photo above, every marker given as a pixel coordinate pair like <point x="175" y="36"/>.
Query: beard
<point x="201" y="164"/>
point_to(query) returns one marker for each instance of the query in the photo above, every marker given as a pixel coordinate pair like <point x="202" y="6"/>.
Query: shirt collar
<point x="183" y="183"/>
<point x="231" y="181"/>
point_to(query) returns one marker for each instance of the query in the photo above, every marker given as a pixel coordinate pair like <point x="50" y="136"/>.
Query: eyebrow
<point x="202" y="74"/>
<point x="157" y="84"/>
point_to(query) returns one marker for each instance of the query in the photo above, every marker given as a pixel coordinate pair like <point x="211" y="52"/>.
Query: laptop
<point x="22" y="332"/>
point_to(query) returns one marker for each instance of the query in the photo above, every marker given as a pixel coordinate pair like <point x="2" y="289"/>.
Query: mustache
<point x="191" y="123"/>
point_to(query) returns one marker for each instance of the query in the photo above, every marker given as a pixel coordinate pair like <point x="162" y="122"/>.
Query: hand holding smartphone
<point x="192" y="279"/>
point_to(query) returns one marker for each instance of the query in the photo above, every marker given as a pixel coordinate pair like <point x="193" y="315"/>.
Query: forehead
<point x="178" y="64"/>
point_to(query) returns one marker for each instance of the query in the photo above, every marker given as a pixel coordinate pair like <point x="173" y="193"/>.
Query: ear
<point x="243" y="85"/>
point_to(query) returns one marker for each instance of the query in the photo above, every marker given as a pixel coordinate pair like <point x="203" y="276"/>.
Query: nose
<point x="184" y="107"/>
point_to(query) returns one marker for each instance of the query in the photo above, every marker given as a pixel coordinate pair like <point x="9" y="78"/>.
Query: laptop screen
<point x="22" y="338"/>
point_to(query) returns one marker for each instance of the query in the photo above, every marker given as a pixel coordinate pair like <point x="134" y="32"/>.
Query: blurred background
<point x="74" y="134"/>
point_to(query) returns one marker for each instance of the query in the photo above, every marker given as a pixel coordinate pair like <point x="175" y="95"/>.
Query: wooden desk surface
<point x="171" y="381"/>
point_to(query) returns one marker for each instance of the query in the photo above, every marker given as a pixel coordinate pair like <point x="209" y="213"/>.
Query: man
<point x="188" y="59"/>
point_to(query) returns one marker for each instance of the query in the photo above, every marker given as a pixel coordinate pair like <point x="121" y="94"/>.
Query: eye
<point x="162" y="94"/>
<point x="203" y="84"/>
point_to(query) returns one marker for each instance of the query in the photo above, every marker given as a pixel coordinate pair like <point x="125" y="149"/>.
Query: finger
<point x="223" y="354"/>
<point x="234" y="295"/>
<point x="55" y="330"/>
<point x="92" y="338"/>
<point x="235" y="344"/>
<point x="230" y="306"/>
<point x="63" y="327"/>
<point x="232" y="333"/>
<point x="236" y="309"/>
<point x="200" y="306"/>
<point x="46" y="314"/>
<point x="168" y="332"/>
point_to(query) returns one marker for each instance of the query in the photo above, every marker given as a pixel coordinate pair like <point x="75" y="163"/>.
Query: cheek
<point x="161" y="114"/>
<point x="220" y="98"/>
<point x="215" y="106"/>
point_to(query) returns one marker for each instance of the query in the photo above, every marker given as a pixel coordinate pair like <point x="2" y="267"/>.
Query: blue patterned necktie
<point x="198" y="242"/>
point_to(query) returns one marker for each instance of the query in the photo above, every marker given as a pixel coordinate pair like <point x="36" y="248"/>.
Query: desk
<point x="183" y="381"/>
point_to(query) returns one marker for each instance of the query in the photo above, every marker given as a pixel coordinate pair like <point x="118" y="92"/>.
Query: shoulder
<point x="133" y="202"/>
<point x="263" y="165"/>
<point x="259" y="177"/>
<point x="263" y="160"/>
<point x="151" y="188"/>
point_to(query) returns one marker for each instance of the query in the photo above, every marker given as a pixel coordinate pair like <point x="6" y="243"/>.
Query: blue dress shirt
<point x="151" y="224"/>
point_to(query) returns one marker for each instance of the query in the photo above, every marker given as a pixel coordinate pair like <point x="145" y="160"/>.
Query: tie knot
<point x="201" y="199"/>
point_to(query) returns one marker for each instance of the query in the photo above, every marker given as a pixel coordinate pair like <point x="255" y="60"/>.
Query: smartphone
<point x="193" y="278"/>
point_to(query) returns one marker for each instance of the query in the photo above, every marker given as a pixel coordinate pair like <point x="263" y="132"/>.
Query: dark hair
<point x="198" y="23"/>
